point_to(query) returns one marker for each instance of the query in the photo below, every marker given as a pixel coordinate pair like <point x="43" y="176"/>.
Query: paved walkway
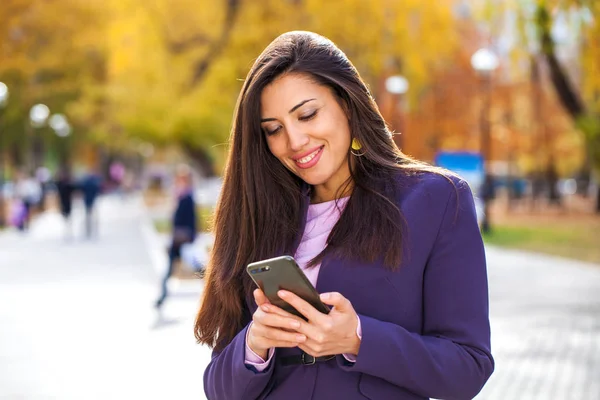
<point x="77" y="321"/>
<point x="77" y="318"/>
<point x="545" y="315"/>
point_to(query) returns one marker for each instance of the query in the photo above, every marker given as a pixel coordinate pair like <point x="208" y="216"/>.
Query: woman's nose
<point x="297" y="139"/>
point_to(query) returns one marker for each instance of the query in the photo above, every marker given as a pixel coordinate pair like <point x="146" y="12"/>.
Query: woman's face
<point x="308" y="131"/>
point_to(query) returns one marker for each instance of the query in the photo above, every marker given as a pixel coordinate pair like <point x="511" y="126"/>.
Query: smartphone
<point x="283" y="273"/>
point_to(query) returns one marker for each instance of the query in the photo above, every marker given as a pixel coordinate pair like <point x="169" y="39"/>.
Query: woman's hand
<point x="272" y="327"/>
<point x="327" y="334"/>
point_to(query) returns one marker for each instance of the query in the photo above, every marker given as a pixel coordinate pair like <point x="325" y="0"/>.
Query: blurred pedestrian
<point x="43" y="176"/>
<point x="17" y="213"/>
<point x="116" y="173"/>
<point x="29" y="191"/>
<point x="183" y="224"/>
<point x="554" y="195"/>
<point x="537" y="189"/>
<point x="90" y="187"/>
<point x="487" y="194"/>
<point x="65" y="188"/>
<point x="391" y="243"/>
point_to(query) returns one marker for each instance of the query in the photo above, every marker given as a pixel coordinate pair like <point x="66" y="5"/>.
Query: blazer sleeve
<point x="451" y="359"/>
<point x="227" y="376"/>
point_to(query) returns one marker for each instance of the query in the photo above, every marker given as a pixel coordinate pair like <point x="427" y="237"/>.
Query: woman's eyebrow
<point x="297" y="106"/>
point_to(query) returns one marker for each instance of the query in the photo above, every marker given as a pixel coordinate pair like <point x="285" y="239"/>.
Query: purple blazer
<point x="425" y="327"/>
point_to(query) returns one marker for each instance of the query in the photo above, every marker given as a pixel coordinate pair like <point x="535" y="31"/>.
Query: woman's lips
<point x="310" y="159"/>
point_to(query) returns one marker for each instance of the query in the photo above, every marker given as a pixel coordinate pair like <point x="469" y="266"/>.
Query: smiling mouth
<point x="308" y="158"/>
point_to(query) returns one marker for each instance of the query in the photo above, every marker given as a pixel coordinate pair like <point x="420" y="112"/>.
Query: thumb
<point x="259" y="297"/>
<point x="336" y="300"/>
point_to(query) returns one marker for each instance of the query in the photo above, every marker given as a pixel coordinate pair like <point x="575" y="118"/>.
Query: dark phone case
<point x="282" y="273"/>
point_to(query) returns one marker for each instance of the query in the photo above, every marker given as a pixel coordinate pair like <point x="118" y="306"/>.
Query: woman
<point x="390" y="243"/>
<point x="65" y="188"/>
<point x="183" y="224"/>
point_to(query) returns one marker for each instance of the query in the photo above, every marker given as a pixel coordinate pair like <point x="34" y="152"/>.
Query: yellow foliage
<point x="152" y="79"/>
<point x="147" y="52"/>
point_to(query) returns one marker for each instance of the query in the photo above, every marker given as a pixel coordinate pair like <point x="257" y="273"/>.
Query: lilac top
<point x="320" y="220"/>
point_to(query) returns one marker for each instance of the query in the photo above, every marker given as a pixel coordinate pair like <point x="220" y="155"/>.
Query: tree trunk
<point x="567" y="94"/>
<point x="218" y="45"/>
<point x="201" y="160"/>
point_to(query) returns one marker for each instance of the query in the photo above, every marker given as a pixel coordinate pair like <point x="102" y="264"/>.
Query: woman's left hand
<point x="327" y="334"/>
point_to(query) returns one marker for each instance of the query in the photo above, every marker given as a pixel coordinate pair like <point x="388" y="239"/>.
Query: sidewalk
<point x="77" y="320"/>
<point x="77" y="317"/>
<point x="545" y="316"/>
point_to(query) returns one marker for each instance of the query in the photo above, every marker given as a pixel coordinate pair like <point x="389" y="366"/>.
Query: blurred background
<point x="102" y="101"/>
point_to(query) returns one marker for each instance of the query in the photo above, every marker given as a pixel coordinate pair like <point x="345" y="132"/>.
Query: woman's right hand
<point x="272" y="327"/>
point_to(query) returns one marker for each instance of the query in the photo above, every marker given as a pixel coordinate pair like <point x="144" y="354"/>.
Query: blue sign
<point x="469" y="166"/>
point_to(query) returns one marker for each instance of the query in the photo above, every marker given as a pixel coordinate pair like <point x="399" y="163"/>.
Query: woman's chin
<point x="312" y="179"/>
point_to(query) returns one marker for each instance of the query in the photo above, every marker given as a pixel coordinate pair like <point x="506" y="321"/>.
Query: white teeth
<point x="309" y="157"/>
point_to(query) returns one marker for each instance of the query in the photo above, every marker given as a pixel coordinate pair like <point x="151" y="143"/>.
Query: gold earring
<point x="356" y="146"/>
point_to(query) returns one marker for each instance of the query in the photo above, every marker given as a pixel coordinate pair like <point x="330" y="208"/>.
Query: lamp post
<point x="485" y="62"/>
<point x="60" y="125"/>
<point x="38" y="115"/>
<point x="3" y="102"/>
<point x="397" y="86"/>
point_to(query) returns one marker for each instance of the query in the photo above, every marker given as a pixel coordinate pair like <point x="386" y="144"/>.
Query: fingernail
<point x="282" y="293"/>
<point x="295" y="324"/>
<point x="265" y="307"/>
<point x="324" y="296"/>
<point x="300" y="338"/>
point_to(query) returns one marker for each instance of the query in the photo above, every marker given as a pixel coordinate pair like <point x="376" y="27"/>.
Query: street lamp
<point x="3" y="94"/>
<point x="485" y="62"/>
<point x="60" y="125"/>
<point x="3" y="102"/>
<point x="397" y="86"/>
<point x="38" y="115"/>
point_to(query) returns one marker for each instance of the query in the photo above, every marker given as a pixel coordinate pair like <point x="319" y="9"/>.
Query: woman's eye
<point x="308" y="117"/>
<point x="272" y="131"/>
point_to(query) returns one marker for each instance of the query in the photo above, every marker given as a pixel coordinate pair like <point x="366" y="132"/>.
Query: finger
<point x="321" y="346"/>
<point x="337" y="300"/>
<point x="305" y="349"/>
<point x="270" y="343"/>
<point x="310" y="350"/>
<point x="302" y="306"/>
<point x="267" y="343"/>
<point x="315" y="332"/>
<point x="276" y="320"/>
<point x="272" y="308"/>
<point x="277" y="335"/>
<point x="260" y="297"/>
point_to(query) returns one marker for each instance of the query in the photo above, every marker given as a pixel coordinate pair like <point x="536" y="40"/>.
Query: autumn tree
<point x="47" y="53"/>
<point x="168" y="71"/>
<point x="174" y="68"/>
<point x="582" y="101"/>
<point x="557" y="42"/>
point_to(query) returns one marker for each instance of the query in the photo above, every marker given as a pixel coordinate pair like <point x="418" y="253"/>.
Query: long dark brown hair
<point x="261" y="204"/>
